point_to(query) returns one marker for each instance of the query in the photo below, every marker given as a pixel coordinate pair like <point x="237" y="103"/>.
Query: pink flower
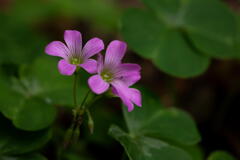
<point x="73" y="54"/>
<point x="119" y="75"/>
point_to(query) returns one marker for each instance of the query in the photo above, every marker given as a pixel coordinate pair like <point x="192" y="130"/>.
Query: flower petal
<point x="97" y="84"/>
<point x="114" y="91"/>
<point x="99" y="63"/>
<point x="65" y="68"/>
<point x="73" y="39"/>
<point x="57" y="48"/>
<point x="130" y="67"/>
<point x="90" y="65"/>
<point x="124" y="93"/>
<point x="129" y="73"/>
<point x="115" y="52"/>
<point x="131" y="79"/>
<point x="92" y="47"/>
<point x="136" y="97"/>
<point x="127" y="69"/>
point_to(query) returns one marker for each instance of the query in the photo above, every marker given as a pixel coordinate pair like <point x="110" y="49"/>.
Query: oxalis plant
<point x="85" y="109"/>
<point x="108" y="74"/>
<point x="149" y="131"/>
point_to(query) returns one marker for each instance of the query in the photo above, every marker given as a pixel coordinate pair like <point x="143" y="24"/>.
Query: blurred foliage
<point x="92" y="11"/>
<point x="181" y="36"/>
<point x="19" y="43"/>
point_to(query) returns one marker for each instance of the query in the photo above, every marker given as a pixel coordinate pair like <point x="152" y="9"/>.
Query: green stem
<point x="74" y="131"/>
<point x="82" y="106"/>
<point x="69" y="133"/>
<point x="78" y="118"/>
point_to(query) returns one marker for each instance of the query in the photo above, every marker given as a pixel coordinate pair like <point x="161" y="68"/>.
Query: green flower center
<point x="75" y="61"/>
<point x="107" y="76"/>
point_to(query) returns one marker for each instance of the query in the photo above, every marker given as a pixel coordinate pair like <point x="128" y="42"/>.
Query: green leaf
<point x="40" y="114"/>
<point x="171" y="58"/>
<point x="26" y="111"/>
<point x="169" y="11"/>
<point x="52" y="85"/>
<point x="146" y="148"/>
<point x="25" y="157"/>
<point x="180" y="36"/>
<point x="9" y="99"/>
<point x="221" y="155"/>
<point x="212" y="27"/>
<point x="152" y="39"/>
<point x="172" y="124"/>
<point x="210" y="24"/>
<point x="14" y="141"/>
<point x="36" y="91"/>
<point x="156" y="132"/>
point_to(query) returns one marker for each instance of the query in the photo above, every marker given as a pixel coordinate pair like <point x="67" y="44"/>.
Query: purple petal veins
<point x="115" y="52"/>
<point x="92" y="47"/>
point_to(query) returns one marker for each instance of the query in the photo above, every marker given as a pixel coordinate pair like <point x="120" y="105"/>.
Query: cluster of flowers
<point x="110" y="72"/>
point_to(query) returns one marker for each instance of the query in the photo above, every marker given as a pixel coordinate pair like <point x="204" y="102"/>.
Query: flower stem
<point x="73" y="132"/>
<point x="78" y="119"/>
<point x="70" y="131"/>
<point x="82" y="106"/>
